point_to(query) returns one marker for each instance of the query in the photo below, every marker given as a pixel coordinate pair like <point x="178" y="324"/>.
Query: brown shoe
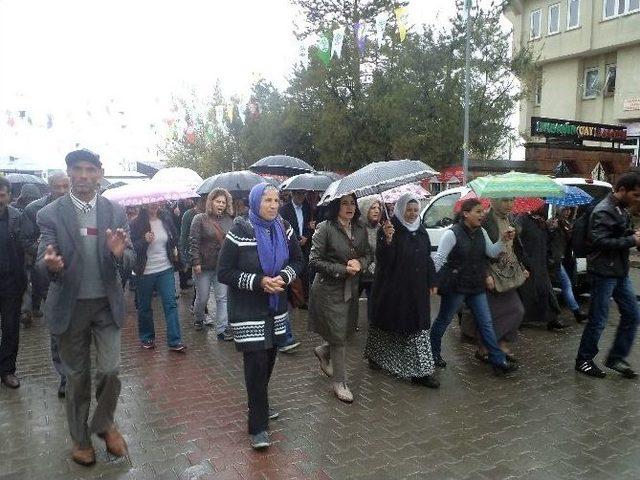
<point x="11" y="380"/>
<point x="116" y="444"/>
<point x="83" y="456"/>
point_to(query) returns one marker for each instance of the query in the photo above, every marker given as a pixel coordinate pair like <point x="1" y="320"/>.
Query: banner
<point x="230" y="109"/>
<point x="323" y="49"/>
<point x="402" y="18"/>
<point x="381" y="25"/>
<point x="360" y="29"/>
<point x="338" y="40"/>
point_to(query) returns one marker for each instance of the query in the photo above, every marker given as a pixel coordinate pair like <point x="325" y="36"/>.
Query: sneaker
<point x="197" y="325"/>
<point x="342" y="392"/>
<point x="504" y="368"/>
<point x="260" y="440"/>
<point x="273" y="414"/>
<point x="208" y="322"/>
<point x="289" y="348"/>
<point x="428" y="381"/>
<point x="621" y="367"/>
<point x="556" y="325"/>
<point x="439" y="362"/>
<point x="589" y="368"/>
<point x="148" y="344"/>
<point x="225" y="336"/>
<point x="181" y="347"/>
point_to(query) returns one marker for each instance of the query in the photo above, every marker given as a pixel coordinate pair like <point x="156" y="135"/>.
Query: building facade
<point x="587" y="63"/>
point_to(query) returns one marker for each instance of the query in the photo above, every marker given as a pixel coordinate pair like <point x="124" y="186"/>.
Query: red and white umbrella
<point x="392" y="196"/>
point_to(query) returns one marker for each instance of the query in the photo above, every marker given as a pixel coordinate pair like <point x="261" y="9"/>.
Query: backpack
<point x="581" y="235"/>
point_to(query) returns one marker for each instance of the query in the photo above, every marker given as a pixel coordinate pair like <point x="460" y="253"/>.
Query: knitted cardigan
<point x="248" y="305"/>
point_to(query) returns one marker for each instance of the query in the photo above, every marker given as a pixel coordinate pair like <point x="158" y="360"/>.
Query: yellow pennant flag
<point x="402" y="18"/>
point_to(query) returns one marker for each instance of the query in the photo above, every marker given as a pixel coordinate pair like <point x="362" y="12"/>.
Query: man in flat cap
<point x="84" y="248"/>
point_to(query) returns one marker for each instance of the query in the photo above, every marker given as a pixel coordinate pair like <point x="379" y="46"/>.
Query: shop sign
<point x="631" y="104"/>
<point x="557" y="128"/>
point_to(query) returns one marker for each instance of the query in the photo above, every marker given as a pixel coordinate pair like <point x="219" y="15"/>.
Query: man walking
<point x="611" y="238"/>
<point x="84" y="248"/>
<point x="13" y="282"/>
<point x="59" y="185"/>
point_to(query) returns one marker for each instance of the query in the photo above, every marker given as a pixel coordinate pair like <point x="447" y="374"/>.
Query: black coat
<point x="404" y="274"/>
<point x="288" y="213"/>
<point x="140" y="226"/>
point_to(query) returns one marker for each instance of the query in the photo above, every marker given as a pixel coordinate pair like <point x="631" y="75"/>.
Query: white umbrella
<point x="179" y="175"/>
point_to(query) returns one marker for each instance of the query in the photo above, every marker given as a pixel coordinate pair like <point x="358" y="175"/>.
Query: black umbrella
<point x="377" y="177"/>
<point x="241" y="181"/>
<point x="25" y="178"/>
<point x="282" y="165"/>
<point x="315" y="181"/>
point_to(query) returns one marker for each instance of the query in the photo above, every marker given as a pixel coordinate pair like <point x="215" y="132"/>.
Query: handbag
<point x="507" y="273"/>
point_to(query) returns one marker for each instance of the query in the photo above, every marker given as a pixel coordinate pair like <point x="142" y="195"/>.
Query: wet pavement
<point x="184" y="416"/>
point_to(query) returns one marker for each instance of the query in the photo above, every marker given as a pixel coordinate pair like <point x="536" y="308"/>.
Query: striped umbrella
<point x="573" y="197"/>
<point x="516" y="185"/>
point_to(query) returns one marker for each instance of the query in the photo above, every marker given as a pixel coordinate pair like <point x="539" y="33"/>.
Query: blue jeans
<point x="602" y="289"/>
<point x="203" y="282"/>
<point x="165" y="285"/>
<point x="289" y="338"/>
<point x="567" y="289"/>
<point x="449" y="305"/>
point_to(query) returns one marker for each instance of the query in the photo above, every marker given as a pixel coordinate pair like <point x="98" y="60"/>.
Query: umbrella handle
<point x="384" y="205"/>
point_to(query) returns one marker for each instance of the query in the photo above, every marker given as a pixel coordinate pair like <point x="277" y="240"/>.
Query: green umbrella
<point x="516" y="184"/>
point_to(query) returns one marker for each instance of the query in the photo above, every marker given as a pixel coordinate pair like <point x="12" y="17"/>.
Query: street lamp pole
<point x="467" y="55"/>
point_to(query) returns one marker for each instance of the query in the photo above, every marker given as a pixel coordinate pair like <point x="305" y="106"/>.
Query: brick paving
<point x="184" y="416"/>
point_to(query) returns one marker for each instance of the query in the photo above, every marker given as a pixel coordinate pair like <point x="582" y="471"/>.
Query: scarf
<point x="401" y="207"/>
<point x="273" y="247"/>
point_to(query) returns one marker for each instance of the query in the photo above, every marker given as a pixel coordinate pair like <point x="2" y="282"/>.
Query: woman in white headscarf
<point x="371" y="210"/>
<point x="398" y="337"/>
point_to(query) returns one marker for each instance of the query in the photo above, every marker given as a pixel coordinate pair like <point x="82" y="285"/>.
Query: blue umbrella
<point x="572" y="197"/>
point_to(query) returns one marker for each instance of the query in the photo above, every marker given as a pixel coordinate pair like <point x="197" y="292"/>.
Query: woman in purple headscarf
<point x="260" y="257"/>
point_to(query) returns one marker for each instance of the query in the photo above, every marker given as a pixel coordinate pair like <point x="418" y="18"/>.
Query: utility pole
<point x="467" y="55"/>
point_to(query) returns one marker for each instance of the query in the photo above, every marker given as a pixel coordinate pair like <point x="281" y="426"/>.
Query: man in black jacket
<point x="13" y="281"/>
<point x="611" y="238"/>
<point x="59" y="184"/>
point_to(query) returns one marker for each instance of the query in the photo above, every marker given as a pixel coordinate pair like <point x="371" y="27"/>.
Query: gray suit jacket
<point x="59" y="227"/>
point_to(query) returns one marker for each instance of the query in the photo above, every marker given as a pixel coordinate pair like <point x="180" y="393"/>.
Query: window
<point x="610" y="80"/>
<point x="615" y="8"/>
<point x="440" y="213"/>
<point x="573" y="14"/>
<point x="591" y="86"/>
<point x="537" y="94"/>
<point x="554" y="19"/>
<point x="536" y="21"/>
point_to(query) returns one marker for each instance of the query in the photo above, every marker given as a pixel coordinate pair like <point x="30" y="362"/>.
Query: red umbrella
<point x="485" y="201"/>
<point x="527" y="205"/>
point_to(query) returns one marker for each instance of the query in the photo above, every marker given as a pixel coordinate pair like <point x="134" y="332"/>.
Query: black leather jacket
<point x="611" y="238"/>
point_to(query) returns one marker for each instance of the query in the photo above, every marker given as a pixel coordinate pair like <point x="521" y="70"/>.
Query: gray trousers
<point x="91" y="319"/>
<point x="55" y="357"/>
<point x="337" y="354"/>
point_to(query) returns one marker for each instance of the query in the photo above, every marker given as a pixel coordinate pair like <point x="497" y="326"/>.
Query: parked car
<point x="438" y="215"/>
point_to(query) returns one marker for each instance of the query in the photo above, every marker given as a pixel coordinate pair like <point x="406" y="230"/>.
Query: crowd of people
<point x="265" y="255"/>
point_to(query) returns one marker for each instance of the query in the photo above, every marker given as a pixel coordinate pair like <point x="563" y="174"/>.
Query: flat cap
<point x="83" y="155"/>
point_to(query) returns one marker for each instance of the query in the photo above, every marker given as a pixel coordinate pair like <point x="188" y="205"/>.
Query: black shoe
<point x="483" y="357"/>
<point x="556" y="325"/>
<point x="580" y="317"/>
<point x="621" y="367"/>
<point x="373" y="365"/>
<point x="62" y="390"/>
<point x="273" y="414"/>
<point x="428" y="381"/>
<point x="589" y="368"/>
<point x="439" y="362"/>
<point x="510" y="358"/>
<point x="504" y="368"/>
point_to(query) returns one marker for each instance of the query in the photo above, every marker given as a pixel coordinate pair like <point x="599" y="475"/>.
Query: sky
<point x="70" y="57"/>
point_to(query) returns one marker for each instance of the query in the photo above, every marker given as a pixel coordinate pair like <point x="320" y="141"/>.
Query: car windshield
<point x="440" y="213"/>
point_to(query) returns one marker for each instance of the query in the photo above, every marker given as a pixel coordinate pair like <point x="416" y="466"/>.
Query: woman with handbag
<point x="461" y="262"/>
<point x="155" y="241"/>
<point x="506" y="273"/>
<point x="208" y="231"/>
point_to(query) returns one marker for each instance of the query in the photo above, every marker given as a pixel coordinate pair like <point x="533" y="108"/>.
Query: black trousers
<point x="257" y="372"/>
<point x="10" y="306"/>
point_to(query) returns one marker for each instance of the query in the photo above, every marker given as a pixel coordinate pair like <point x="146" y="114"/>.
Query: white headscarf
<point x="401" y="207"/>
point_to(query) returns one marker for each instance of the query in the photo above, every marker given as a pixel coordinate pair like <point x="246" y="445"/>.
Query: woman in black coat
<point x="398" y="337"/>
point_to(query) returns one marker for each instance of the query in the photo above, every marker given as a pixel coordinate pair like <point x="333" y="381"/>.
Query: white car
<point x="438" y="215"/>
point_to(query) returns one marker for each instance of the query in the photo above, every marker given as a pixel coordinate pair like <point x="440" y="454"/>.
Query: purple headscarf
<point x="273" y="246"/>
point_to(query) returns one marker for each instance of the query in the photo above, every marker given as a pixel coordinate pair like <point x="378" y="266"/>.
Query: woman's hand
<point x="197" y="269"/>
<point x="353" y="267"/>
<point x="272" y="285"/>
<point x="526" y="274"/>
<point x="388" y="230"/>
<point x="490" y="283"/>
<point x="149" y="237"/>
